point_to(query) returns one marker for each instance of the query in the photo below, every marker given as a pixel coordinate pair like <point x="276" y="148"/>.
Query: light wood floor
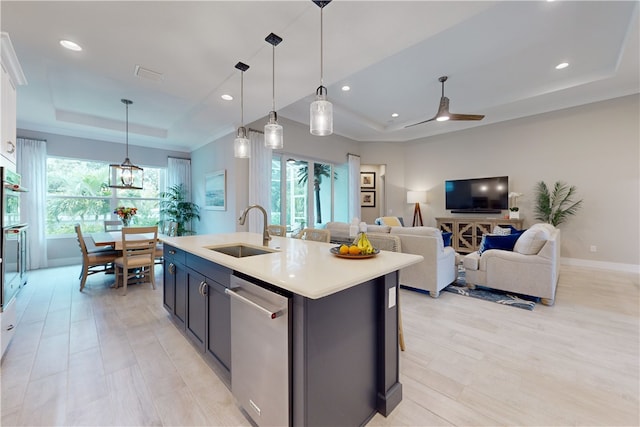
<point x="97" y="358"/>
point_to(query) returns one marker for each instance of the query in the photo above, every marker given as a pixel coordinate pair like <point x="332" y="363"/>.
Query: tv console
<point x="467" y="232"/>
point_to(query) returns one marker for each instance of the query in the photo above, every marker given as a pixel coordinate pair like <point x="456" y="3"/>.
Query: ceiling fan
<point x="443" y="113"/>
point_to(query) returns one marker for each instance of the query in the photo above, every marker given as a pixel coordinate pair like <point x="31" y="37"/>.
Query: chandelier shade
<point x="273" y="132"/>
<point x="321" y="110"/>
<point x="241" y="145"/>
<point x="126" y="175"/>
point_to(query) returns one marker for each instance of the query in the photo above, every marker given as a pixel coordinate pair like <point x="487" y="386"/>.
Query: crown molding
<point x="10" y="60"/>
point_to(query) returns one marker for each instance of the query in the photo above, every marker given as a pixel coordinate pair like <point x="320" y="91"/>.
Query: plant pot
<point x="514" y="214"/>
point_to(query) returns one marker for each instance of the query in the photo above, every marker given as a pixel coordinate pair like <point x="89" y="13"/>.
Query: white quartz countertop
<point x="303" y="267"/>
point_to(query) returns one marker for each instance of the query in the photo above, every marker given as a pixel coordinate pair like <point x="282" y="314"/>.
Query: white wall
<point x="594" y="147"/>
<point x="65" y="250"/>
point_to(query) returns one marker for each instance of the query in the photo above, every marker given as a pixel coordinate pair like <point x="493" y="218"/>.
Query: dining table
<point x="114" y="238"/>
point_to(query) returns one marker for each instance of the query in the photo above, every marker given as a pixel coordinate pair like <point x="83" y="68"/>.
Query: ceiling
<point x="500" y="58"/>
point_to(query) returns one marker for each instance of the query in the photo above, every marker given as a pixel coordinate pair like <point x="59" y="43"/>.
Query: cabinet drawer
<point x="212" y="270"/>
<point x="9" y="319"/>
<point x="173" y="254"/>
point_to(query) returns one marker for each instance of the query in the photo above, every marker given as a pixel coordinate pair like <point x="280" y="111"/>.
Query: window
<point x="300" y="200"/>
<point x="78" y="192"/>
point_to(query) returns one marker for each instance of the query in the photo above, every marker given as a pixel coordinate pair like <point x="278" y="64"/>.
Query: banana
<point x="364" y="245"/>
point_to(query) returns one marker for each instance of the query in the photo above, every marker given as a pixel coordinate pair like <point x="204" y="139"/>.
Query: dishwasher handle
<point x="234" y="294"/>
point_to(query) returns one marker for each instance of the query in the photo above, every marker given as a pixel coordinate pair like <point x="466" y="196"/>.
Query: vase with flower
<point x="125" y="214"/>
<point x="514" y="210"/>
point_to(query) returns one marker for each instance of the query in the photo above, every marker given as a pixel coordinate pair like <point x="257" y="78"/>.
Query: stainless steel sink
<point x="240" y="251"/>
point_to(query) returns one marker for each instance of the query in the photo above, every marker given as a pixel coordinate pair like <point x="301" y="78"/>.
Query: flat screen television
<point x="478" y="195"/>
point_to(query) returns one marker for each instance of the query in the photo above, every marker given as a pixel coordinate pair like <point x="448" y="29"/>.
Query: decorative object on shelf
<point x="368" y="180"/>
<point x="174" y="207"/>
<point x="241" y="143"/>
<point x="125" y="214"/>
<point x="273" y="137"/>
<point x="215" y="187"/>
<point x="321" y="110"/>
<point x="443" y="113"/>
<point x="557" y="206"/>
<point x="514" y="210"/>
<point x="417" y="197"/>
<point x="368" y="199"/>
<point x="126" y="175"/>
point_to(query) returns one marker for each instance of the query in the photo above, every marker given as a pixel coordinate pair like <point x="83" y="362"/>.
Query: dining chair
<point x="95" y="260"/>
<point x="138" y="256"/>
<point x="387" y="242"/>
<point x="315" y="234"/>
<point x="112" y="225"/>
<point x="169" y="228"/>
<point x="277" y="230"/>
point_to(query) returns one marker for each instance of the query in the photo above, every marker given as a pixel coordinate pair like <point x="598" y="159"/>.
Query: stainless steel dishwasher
<point x="260" y="347"/>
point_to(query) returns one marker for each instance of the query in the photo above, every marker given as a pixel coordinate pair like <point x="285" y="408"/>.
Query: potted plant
<point x="556" y="206"/>
<point x="514" y="210"/>
<point x="174" y="207"/>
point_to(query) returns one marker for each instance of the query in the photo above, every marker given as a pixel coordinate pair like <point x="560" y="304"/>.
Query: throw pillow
<point x="446" y="238"/>
<point x="391" y="221"/>
<point x="499" y="231"/>
<point x="492" y="241"/>
<point x="532" y="240"/>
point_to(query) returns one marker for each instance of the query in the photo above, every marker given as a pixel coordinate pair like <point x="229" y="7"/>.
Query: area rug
<point x="501" y="297"/>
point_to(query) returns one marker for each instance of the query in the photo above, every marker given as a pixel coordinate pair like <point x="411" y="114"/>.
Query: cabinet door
<point x="169" y="286"/>
<point x="219" y="323"/>
<point x="8" y="142"/>
<point x="196" y="308"/>
<point x="174" y="293"/>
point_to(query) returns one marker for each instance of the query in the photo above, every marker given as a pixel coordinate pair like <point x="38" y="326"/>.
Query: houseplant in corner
<point x="557" y="206"/>
<point x="174" y="207"/>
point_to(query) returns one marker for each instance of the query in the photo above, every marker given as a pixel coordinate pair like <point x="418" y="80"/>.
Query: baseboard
<point x="601" y="265"/>
<point x="63" y="262"/>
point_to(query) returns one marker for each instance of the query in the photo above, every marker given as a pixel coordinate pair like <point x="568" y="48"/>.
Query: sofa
<point x="434" y="273"/>
<point x="531" y="268"/>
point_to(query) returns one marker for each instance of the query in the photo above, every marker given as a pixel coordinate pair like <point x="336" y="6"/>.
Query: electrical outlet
<point x="593" y="248"/>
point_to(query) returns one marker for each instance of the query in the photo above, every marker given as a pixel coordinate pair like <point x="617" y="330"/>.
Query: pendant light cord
<point x="127" y="130"/>
<point x="321" y="38"/>
<point x="273" y="78"/>
<point x="242" y="99"/>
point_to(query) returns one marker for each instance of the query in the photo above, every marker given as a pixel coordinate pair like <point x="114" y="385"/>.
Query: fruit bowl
<point x="336" y="252"/>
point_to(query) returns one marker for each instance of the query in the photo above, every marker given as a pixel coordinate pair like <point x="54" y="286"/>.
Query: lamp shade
<point x="241" y="147"/>
<point x="416" y="197"/>
<point x="321" y="114"/>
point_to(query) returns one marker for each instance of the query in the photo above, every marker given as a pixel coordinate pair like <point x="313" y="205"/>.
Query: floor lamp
<point x="417" y="197"/>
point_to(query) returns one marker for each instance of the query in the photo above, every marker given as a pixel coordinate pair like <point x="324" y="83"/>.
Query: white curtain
<point x="32" y="165"/>
<point x="354" y="186"/>
<point x="179" y="172"/>
<point x="259" y="180"/>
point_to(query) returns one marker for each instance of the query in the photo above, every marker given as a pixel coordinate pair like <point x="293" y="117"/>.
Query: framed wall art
<point x="215" y="190"/>
<point x="368" y="199"/>
<point x="368" y="180"/>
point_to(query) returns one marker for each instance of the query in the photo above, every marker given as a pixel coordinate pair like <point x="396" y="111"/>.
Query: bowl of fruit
<point x="360" y="250"/>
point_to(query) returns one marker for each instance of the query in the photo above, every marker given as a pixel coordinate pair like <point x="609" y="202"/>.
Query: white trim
<point x="10" y="60"/>
<point x="602" y="265"/>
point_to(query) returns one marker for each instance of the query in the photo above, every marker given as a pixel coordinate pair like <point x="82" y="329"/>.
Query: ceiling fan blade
<point x="466" y="116"/>
<point x="419" y="123"/>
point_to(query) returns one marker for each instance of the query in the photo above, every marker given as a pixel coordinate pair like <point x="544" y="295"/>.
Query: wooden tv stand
<point x="467" y="232"/>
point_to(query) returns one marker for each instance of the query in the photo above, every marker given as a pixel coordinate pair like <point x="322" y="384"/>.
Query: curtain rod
<point x="351" y="154"/>
<point x="179" y="158"/>
<point x="256" y="131"/>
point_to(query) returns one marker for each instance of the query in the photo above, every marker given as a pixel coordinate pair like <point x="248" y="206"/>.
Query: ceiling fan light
<point x="321" y="114"/>
<point x="442" y="118"/>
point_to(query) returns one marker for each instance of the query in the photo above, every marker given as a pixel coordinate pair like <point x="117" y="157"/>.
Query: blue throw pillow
<point x="505" y="243"/>
<point x="446" y="238"/>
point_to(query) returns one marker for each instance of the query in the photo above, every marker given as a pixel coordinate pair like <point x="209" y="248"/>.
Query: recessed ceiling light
<point x="346" y="88"/>
<point x="395" y="115"/>
<point x="227" y="97"/>
<point x="562" y="65"/>
<point x="68" y="44"/>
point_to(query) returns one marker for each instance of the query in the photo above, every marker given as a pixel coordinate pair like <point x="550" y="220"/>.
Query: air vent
<point x="145" y="73"/>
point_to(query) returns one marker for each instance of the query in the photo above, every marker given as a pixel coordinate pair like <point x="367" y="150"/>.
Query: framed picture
<point x="368" y="199"/>
<point x="215" y="190"/>
<point x="368" y="180"/>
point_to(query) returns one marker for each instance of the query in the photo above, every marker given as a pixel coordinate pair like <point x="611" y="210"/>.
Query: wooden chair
<point x="93" y="261"/>
<point x="388" y="242"/>
<point x="277" y="230"/>
<point x="112" y="225"/>
<point x="315" y="234"/>
<point x="169" y="228"/>
<point x="138" y="256"/>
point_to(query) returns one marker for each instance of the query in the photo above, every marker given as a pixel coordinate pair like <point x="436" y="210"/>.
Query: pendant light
<point x="126" y="175"/>
<point x="321" y="111"/>
<point x="241" y="143"/>
<point x="273" y="137"/>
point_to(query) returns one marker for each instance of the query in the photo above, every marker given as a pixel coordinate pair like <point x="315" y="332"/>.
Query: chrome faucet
<point x="265" y="233"/>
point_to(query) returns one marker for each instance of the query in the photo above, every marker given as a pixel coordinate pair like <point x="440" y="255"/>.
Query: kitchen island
<point x="342" y="318"/>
